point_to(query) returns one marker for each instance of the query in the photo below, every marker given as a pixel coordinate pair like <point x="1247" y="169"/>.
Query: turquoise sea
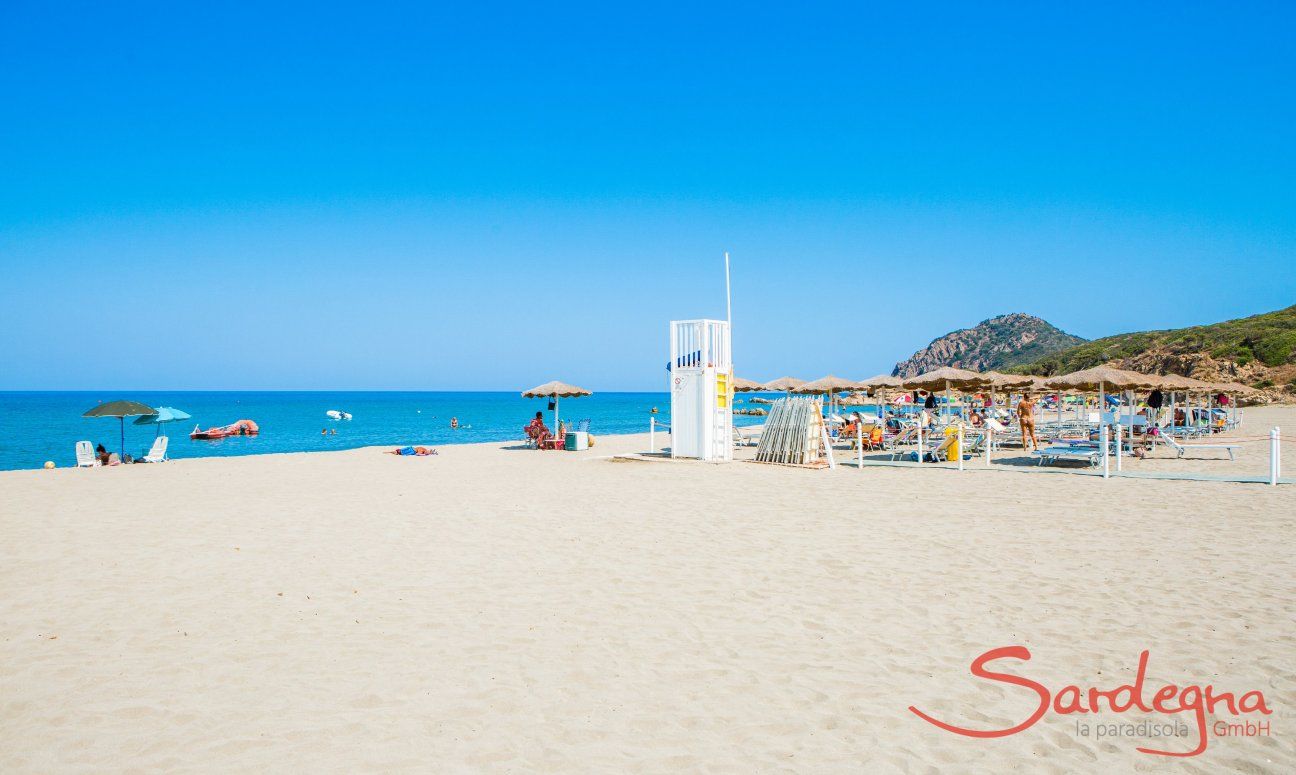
<point x="36" y="427"/>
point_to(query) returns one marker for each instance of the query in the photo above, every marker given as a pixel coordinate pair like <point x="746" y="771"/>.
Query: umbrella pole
<point x="123" y="438"/>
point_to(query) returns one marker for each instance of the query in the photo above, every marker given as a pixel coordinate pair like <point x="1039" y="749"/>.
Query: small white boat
<point x="334" y="414"/>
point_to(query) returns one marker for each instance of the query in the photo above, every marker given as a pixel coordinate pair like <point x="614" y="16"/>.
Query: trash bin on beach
<point x="577" y="441"/>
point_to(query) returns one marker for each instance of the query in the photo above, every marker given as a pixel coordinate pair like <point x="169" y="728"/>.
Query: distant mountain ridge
<point x="1259" y="350"/>
<point x="999" y="343"/>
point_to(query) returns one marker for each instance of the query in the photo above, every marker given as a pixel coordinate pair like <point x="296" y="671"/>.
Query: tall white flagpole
<point x="728" y="302"/>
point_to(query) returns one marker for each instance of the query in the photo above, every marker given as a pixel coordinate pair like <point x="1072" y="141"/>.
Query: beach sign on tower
<point x="701" y="375"/>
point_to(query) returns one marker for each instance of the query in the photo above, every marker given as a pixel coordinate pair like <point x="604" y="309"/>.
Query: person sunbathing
<point x="536" y="429"/>
<point x="413" y="451"/>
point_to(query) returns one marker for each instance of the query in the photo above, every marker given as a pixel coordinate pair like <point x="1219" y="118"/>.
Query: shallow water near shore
<point x="40" y="426"/>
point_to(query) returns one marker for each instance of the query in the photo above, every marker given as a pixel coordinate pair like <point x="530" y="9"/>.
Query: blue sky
<point x="487" y="196"/>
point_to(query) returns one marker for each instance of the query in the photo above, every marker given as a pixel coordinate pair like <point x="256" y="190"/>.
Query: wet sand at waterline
<point x="501" y="609"/>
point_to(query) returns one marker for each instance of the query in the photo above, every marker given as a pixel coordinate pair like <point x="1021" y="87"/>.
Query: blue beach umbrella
<point x="165" y="414"/>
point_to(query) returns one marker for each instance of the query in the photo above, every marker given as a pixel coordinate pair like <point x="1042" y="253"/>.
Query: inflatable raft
<point x="240" y="428"/>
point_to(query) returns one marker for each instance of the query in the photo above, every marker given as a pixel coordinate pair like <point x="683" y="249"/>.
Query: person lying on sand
<point x="413" y="451"/>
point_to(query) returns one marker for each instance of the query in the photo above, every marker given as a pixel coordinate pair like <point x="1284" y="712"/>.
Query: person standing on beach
<point x="1026" y="416"/>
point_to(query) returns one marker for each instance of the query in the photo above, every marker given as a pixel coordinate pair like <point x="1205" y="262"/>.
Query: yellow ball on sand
<point x="49" y="463"/>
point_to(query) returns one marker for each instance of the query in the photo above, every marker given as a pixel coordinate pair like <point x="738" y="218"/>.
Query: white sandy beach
<point x="499" y="609"/>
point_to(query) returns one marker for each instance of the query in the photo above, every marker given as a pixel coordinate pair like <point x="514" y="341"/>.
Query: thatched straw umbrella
<point x="555" y="390"/>
<point x="741" y="385"/>
<point x="1233" y="387"/>
<point x="829" y="385"/>
<point x="882" y="383"/>
<point x="1179" y="383"/>
<point x="784" y="384"/>
<point x="1099" y="378"/>
<point x="1235" y="390"/>
<point x="945" y="377"/>
<point x="995" y="380"/>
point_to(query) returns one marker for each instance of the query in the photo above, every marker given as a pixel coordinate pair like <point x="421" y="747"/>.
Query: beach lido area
<point x="497" y="608"/>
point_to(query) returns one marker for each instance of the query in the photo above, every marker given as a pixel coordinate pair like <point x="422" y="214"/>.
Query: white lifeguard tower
<point x="701" y="374"/>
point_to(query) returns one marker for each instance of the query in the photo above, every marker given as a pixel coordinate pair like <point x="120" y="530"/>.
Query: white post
<point x="1275" y="464"/>
<point x="960" y="446"/>
<point x="989" y="442"/>
<point x="1118" y="444"/>
<point x="859" y="445"/>
<point x="728" y="305"/>
<point x="652" y="435"/>
<point x="827" y="442"/>
<point x="1102" y="442"/>
<point x="920" y="440"/>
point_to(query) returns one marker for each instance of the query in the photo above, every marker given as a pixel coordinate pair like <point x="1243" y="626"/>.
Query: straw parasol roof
<point x="882" y="381"/>
<point x="828" y="384"/>
<point x="945" y="377"/>
<point x="997" y="379"/>
<point x="555" y="389"/>
<point x="1233" y="387"/>
<point x="741" y="385"/>
<point x="784" y="384"/>
<point x="1101" y="378"/>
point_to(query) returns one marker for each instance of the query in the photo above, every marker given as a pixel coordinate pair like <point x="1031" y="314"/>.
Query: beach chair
<point x="85" y="455"/>
<point x="741" y="439"/>
<point x="1180" y="447"/>
<point x="1080" y="452"/>
<point x="873" y="437"/>
<point x="896" y="444"/>
<point x="940" y="453"/>
<point x="158" y="453"/>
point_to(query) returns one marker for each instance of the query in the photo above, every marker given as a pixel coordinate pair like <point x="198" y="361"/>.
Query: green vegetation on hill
<point x="1269" y="338"/>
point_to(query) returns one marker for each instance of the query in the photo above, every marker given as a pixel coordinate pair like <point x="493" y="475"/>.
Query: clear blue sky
<point x="482" y="196"/>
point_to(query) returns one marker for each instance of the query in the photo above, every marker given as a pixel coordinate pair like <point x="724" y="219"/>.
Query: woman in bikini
<point x="1026" y="416"/>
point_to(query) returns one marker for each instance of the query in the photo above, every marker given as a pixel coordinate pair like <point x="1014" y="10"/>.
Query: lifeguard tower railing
<point x="701" y="384"/>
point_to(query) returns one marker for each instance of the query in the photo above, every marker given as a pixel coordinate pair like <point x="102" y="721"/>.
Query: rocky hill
<point x="1259" y="351"/>
<point x="998" y="343"/>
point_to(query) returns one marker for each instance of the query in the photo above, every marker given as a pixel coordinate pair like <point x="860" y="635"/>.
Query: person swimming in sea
<point x="454" y="422"/>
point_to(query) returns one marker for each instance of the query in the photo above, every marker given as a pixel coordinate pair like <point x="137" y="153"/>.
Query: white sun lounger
<point x="1181" y="448"/>
<point x="1082" y="453"/>
<point x="158" y="453"/>
<point x="85" y="455"/>
<point x="741" y="439"/>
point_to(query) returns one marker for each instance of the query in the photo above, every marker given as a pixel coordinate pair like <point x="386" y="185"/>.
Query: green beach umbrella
<point x="121" y="410"/>
<point x="165" y="414"/>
